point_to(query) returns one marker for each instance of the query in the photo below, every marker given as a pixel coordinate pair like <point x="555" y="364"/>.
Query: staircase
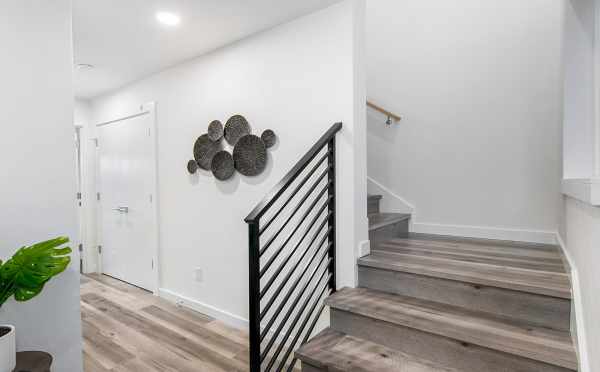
<point x="431" y="303"/>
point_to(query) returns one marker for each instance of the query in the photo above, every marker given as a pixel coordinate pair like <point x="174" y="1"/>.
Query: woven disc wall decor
<point x="192" y="166"/>
<point x="204" y="150"/>
<point x="268" y="137"/>
<point x="250" y="155"/>
<point x="222" y="165"/>
<point x="215" y="130"/>
<point x="236" y="127"/>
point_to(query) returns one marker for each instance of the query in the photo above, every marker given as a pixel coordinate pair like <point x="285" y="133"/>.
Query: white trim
<point x="388" y="194"/>
<point x="486" y="232"/>
<point x="584" y="364"/>
<point x="149" y="109"/>
<point x="596" y="59"/>
<point x="222" y="315"/>
<point x="585" y="189"/>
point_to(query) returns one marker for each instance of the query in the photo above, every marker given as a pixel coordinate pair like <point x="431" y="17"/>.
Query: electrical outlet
<point x="198" y="275"/>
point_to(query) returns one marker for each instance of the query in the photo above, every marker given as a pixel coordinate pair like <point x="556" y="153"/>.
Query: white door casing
<point x="128" y="205"/>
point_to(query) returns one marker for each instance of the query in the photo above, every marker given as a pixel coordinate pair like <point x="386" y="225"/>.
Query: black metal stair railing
<point x="292" y="257"/>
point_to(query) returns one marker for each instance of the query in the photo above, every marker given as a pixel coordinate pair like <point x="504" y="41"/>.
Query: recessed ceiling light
<point x="84" y="66"/>
<point x="168" y="19"/>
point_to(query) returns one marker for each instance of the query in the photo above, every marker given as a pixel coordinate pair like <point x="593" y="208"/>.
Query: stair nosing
<point x="489" y="336"/>
<point x="472" y="263"/>
<point x="398" y="217"/>
<point x="305" y="356"/>
<point x="391" y="245"/>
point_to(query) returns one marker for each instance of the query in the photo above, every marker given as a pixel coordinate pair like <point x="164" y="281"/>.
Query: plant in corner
<point x="24" y="276"/>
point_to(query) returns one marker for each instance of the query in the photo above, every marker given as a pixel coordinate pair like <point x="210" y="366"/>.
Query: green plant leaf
<point x="26" y="273"/>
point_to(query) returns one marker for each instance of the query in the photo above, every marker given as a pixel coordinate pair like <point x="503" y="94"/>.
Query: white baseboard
<point x="222" y="315"/>
<point x="584" y="364"/>
<point x="485" y="232"/>
<point x="390" y="202"/>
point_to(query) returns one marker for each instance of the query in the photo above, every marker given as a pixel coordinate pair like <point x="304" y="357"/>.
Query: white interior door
<point x="127" y="214"/>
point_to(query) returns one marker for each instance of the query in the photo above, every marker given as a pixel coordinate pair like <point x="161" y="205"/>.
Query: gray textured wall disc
<point x="250" y="155"/>
<point x="236" y="127"/>
<point x="268" y="137"/>
<point x="215" y="130"/>
<point x="222" y="165"/>
<point x="204" y="150"/>
<point x="192" y="166"/>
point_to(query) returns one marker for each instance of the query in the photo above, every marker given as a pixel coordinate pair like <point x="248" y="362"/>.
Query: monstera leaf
<point x="25" y="274"/>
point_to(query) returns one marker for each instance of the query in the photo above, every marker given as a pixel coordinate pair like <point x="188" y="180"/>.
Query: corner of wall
<point x="577" y="321"/>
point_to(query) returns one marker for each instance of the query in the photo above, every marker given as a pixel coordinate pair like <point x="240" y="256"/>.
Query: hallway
<point x="127" y="329"/>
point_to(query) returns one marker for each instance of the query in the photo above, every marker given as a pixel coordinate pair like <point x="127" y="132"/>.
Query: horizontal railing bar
<point x="308" y="175"/>
<point x="307" y="335"/>
<point x="265" y="331"/>
<point x="291" y="272"/>
<point x="293" y="251"/>
<point x="301" y="329"/>
<point x="306" y="213"/>
<point x="310" y="225"/>
<point x="296" y="318"/>
<point x="276" y="192"/>
<point x="291" y="291"/>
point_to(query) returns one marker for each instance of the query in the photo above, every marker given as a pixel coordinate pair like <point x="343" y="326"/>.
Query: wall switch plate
<point x="198" y="275"/>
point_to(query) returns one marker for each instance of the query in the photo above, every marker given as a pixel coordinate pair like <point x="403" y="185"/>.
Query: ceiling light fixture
<point x="84" y="66"/>
<point x="168" y="19"/>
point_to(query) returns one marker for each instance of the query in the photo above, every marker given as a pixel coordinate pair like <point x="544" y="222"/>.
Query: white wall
<point x="579" y="107"/>
<point x="38" y="167"/>
<point x="478" y="84"/>
<point x="298" y="79"/>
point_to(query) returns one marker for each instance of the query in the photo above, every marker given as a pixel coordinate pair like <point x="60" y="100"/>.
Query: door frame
<point x="150" y="110"/>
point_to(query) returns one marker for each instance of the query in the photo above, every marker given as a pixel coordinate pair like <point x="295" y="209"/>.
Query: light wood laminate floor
<point x="127" y="329"/>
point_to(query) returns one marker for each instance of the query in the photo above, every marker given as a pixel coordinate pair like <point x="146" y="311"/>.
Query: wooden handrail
<point x="389" y="114"/>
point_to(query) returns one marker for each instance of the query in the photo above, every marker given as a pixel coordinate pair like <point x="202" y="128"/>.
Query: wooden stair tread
<point x="475" y="257"/>
<point x="335" y="351"/>
<point x="545" y="345"/>
<point x="379" y="220"/>
<point x="515" y="253"/>
<point x="479" y="243"/>
<point x="514" y="278"/>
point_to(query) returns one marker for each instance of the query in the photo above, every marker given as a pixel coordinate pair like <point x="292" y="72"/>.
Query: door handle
<point x="122" y="209"/>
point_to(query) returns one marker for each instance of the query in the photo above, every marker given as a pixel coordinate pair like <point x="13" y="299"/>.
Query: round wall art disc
<point x="250" y="155"/>
<point x="192" y="166"/>
<point x="222" y="165"/>
<point x="215" y="130"/>
<point x="268" y="137"/>
<point x="204" y="150"/>
<point x="236" y="127"/>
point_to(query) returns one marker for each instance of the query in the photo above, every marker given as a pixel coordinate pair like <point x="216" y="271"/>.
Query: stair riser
<point x="373" y="205"/>
<point x="396" y="230"/>
<point x="309" y="368"/>
<point x="445" y="351"/>
<point x="545" y="311"/>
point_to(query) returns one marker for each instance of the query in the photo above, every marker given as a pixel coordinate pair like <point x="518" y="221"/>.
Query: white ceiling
<point x="125" y="43"/>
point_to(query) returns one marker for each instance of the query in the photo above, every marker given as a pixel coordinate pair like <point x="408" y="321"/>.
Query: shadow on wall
<point x="231" y="185"/>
